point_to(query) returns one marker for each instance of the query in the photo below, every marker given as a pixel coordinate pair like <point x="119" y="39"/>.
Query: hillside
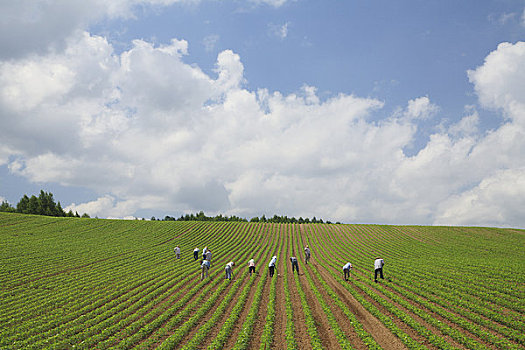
<point x="91" y="283"/>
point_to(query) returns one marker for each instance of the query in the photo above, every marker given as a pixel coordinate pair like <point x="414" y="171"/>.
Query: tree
<point x="23" y="205"/>
<point x="59" y="211"/>
<point x="6" y="207"/>
<point x="34" y="206"/>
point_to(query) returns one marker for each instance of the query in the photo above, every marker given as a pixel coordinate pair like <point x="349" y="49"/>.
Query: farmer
<point x="196" y="253"/>
<point x="228" y="269"/>
<point x="295" y="264"/>
<point x="208" y="255"/>
<point x="204" y="253"/>
<point x="177" y="252"/>
<point x="251" y="266"/>
<point x="205" y="266"/>
<point x="378" y="265"/>
<point x="346" y="270"/>
<point x="306" y="254"/>
<point x="271" y="265"/>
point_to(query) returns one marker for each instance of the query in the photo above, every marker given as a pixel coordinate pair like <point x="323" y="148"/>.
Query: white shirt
<point x="272" y="262"/>
<point x="251" y="263"/>
<point x="177" y="250"/>
<point x="229" y="265"/>
<point x="196" y="249"/>
<point x="347" y="266"/>
<point x="378" y="263"/>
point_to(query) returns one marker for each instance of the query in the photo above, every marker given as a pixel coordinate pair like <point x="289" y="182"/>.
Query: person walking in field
<point x="204" y="267"/>
<point x="195" y="254"/>
<point x="378" y="266"/>
<point x="295" y="264"/>
<point x="271" y="265"/>
<point x="229" y="271"/>
<point x="177" y="252"/>
<point x="251" y="266"/>
<point x="306" y="254"/>
<point x="346" y="270"/>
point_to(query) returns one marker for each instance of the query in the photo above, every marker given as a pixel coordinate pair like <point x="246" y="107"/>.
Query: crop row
<point x="460" y="337"/>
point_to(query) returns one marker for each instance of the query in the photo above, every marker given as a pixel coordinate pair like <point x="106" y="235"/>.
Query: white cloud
<point x="420" y="108"/>
<point x="101" y="205"/>
<point x="467" y="126"/>
<point x="500" y="81"/>
<point x="148" y="131"/>
<point x="497" y="201"/>
<point x="42" y="26"/>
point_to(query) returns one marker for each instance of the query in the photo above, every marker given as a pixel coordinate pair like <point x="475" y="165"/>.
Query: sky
<point x="404" y="112"/>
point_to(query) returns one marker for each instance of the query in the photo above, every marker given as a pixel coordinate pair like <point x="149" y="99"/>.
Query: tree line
<point x="44" y="204"/>
<point x="275" y="219"/>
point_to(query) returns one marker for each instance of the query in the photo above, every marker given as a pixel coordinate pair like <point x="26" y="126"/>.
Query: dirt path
<point x="324" y="329"/>
<point x="212" y="334"/>
<point x="301" y="332"/>
<point x="342" y="320"/>
<point x="279" y="339"/>
<point x="258" y="326"/>
<point x="237" y="328"/>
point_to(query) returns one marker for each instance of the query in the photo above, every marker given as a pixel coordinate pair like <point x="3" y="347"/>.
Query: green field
<point x="94" y="284"/>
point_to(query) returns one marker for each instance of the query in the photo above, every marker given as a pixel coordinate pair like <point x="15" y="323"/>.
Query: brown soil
<point x="258" y="326"/>
<point x="342" y="320"/>
<point x="382" y="335"/>
<point x="444" y="321"/>
<point x="212" y="334"/>
<point x="279" y="339"/>
<point x="301" y="332"/>
<point x="324" y="329"/>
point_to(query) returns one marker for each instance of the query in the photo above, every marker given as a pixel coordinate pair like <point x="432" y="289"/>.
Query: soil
<point x="382" y="335"/>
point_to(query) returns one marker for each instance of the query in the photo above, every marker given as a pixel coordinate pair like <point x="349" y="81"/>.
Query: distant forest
<point x="275" y="219"/>
<point x="45" y="204"/>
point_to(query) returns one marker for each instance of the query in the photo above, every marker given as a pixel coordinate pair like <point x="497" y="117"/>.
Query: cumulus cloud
<point x="467" y="126"/>
<point x="146" y="130"/>
<point x="500" y="81"/>
<point x="498" y="199"/>
<point x="420" y="108"/>
<point x="41" y="26"/>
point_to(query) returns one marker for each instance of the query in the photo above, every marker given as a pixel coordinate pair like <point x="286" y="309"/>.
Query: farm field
<point x="97" y="284"/>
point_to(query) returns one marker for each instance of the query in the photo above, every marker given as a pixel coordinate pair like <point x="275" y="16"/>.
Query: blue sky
<point x="386" y="112"/>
